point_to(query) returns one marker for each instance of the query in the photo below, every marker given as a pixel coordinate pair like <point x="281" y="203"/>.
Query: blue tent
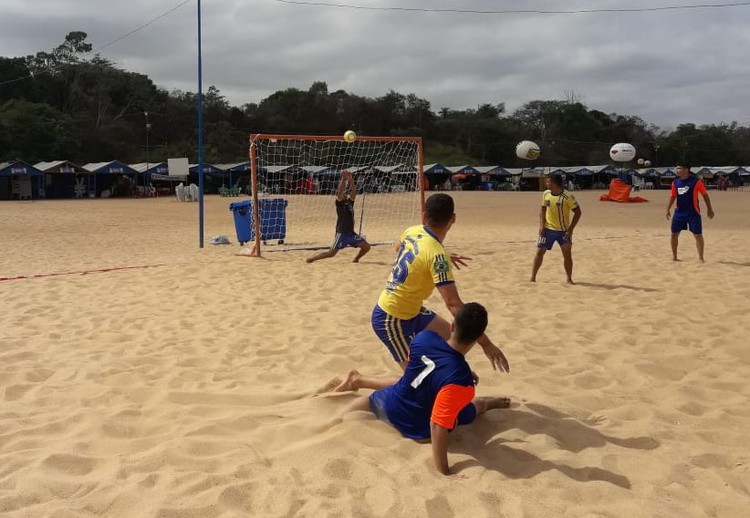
<point x="108" y="177"/>
<point x="435" y="169"/>
<point x="16" y="181"/>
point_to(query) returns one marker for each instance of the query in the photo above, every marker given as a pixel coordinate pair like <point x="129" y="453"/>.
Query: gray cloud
<point x="667" y="67"/>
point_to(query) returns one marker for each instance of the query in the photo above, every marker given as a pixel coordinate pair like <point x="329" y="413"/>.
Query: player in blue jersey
<point x="685" y="190"/>
<point x="422" y="265"/>
<point x="436" y="392"/>
<point x="345" y="234"/>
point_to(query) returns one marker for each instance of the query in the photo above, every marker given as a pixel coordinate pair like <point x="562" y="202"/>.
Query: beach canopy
<point x="19" y="168"/>
<point x="61" y="167"/>
<point x="112" y="167"/>
<point x="207" y="169"/>
<point x="151" y="167"/>
<point x="435" y="169"/>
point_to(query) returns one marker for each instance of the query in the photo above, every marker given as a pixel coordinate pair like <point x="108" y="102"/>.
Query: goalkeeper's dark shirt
<point x="345" y="216"/>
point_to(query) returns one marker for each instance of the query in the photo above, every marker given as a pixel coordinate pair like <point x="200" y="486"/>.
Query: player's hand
<point x="496" y="357"/>
<point x="568" y="235"/>
<point x="475" y="377"/>
<point x="668" y="214"/>
<point x="541" y="231"/>
<point x="710" y="214"/>
<point x="459" y="261"/>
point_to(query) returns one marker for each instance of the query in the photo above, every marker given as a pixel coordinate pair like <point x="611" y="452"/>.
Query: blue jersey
<point x="436" y="387"/>
<point x="686" y="191"/>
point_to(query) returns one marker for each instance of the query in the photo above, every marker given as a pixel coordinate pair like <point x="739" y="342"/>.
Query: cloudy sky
<point x="667" y="66"/>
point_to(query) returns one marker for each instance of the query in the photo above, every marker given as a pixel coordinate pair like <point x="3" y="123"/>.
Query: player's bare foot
<point x="571" y="281"/>
<point x="329" y="386"/>
<point x="675" y="260"/>
<point x="498" y="402"/>
<point x="350" y="383"/>
<point x="533" y="279"/>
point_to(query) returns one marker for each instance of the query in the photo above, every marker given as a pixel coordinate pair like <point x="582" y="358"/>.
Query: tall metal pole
<point x="200" y="132"/>
<point x="148" y="130"/>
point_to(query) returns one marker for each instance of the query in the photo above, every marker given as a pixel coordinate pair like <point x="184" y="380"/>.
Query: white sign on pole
<point x="178" y="166"/>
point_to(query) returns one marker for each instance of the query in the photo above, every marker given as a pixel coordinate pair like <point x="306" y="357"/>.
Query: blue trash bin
<point x="272" y="220"/>
<point x="243" y="218"/>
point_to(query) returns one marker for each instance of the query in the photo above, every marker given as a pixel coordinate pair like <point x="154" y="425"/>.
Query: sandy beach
<point x="142" y="376"/>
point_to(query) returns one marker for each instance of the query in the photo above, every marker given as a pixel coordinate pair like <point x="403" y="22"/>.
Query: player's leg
<point x="483" y="404"/>
<point x="322" y="255"/>
<point x="338" y="244"/>
<point x="390" y="331"/>
<point x="567" y="252"/>
<point x="696" y="227"/>
<point x="700" y="245"/>
<point x="440" y="326"/>
<point x="679" y="223"/>
<point x="538" y="258"/>
<point x="355" y="381"/>
<point x="364" y="247"/>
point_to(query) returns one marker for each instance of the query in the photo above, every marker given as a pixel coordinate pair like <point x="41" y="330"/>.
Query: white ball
<point x="622" y="152"/>
<point x="647" y="163"/>
<point x="528" y="150"/>
<point x="641" y="161"/>
<point x="350" y="136"/>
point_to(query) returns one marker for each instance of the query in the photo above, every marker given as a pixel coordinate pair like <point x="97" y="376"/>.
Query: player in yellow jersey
<point x="555" y="224"/>
<point x="423" y="264"/>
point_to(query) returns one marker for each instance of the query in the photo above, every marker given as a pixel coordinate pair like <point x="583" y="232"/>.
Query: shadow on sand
<point x="616" y="287"/>
<point x="569" y="433"/>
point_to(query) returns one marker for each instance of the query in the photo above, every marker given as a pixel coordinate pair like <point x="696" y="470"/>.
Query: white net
<point x="298" y="177"/>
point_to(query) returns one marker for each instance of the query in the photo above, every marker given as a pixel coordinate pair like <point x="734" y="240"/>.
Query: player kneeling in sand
<point x="436" y="391"/>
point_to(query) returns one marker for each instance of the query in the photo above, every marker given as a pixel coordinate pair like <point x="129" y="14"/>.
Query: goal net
<point x="295" y="179"/>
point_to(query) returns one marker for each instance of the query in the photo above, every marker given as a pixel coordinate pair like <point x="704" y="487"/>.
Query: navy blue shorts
<point x="379" y="406"/>
<point x="346" y="239"/>
<point x="397" y="333"/>
<point x="550" y="237"/>
<point x="683" y="221"/>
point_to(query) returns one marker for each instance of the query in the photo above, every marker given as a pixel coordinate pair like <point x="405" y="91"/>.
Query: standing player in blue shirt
<point x="436" y="391"/>
<point x="685" y="190"/>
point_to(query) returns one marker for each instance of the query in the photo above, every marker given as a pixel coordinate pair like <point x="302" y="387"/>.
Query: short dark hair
<point x="557" y="179"/>
<point x="683" y="163"/>
<point x="471" y="321"/>
<point x="439" y="209"/>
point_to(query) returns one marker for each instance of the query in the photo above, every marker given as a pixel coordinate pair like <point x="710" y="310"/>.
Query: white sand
<point x="184" y="389"/>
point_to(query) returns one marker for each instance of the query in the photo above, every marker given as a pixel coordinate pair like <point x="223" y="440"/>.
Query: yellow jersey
<point x="422" y="264"/>
<point x="558" y="210"/>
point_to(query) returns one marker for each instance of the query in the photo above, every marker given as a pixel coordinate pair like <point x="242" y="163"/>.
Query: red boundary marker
<point x="82" y="272"/>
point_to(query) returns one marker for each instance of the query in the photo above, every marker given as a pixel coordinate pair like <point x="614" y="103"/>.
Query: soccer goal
<point x="294" y="180"/>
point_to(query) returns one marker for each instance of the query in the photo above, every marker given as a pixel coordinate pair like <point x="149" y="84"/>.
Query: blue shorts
<point x="550" y="237"/>
<point x="682" y="221"/>
<point x="397" y="333"/>
<point x="380" y="407"/>
<point x="346" y="239"/>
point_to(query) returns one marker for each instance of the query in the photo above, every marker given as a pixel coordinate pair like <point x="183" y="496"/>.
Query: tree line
<point x="62" y="104"/>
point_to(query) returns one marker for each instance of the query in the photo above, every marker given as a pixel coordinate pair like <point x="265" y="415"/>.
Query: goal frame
<point x="256" y="250"/>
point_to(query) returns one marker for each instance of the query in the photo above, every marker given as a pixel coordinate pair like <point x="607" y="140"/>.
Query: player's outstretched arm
<point x="439" y="436"/>
<point x="352" y="185"/>
<point x="342" y="188"/>
<point x="453" y="303"/>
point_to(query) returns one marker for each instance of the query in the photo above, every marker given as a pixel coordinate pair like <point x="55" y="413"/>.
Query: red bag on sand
<point x="619" y="191"/>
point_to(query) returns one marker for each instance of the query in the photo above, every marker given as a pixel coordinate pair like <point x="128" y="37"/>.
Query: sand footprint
<point x="70" y="464"/>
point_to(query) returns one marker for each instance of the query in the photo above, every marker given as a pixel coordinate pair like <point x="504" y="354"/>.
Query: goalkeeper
<point x="345" y="234"/>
